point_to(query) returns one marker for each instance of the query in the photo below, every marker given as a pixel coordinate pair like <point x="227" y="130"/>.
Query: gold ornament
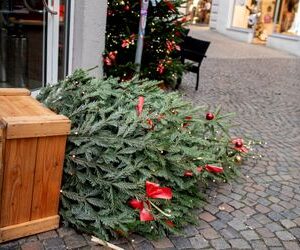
<point x="238" y="159"/>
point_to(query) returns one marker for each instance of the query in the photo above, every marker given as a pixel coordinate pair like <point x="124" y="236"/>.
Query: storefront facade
<point x="275" y="23"/>
<point x="43" y="41"/>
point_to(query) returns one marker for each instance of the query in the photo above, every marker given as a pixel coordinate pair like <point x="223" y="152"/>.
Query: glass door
<point x="32" y="47"/>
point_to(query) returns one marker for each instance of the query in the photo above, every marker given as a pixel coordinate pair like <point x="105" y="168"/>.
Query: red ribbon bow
<point x="154" y="191"/>
<point x="214" y="169"/>
<point x="139" y="107"/>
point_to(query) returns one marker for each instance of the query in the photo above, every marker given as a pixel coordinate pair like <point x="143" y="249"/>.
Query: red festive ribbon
<point x="214" y="169"/>
<point x="239" y="145"/>
<point x="139" y="107"/>
<point x="209" y="168"/>
<point x="153" y="191"/>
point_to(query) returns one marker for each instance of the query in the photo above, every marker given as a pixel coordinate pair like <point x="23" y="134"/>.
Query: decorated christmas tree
<point x="136" y="155"/>
<point x="163" y="35"/>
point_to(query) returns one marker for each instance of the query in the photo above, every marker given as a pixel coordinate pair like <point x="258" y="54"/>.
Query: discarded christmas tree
<point x="136" y="155"/>
<point x="163" y="36"/>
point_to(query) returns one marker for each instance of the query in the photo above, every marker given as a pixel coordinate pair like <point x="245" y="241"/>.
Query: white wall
<point x="89" y="34"/>
<point x="288" y="44"/>
<point x="221" y="18"/>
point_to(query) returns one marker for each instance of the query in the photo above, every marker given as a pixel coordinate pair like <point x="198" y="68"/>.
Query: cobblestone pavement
<point x="260" y="210"/>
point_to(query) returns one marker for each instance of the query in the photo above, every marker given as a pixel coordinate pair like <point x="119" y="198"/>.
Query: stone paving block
<point x="209" y="233"/>
<point x="253" y="224"/>
<point x="218" y="225"/>
<point x="136" y="239"/>
<point x="224" y="216"/>
<point x="265" y="232"/>
<point x="236" y="204"/>
<point x="34" y="245"/>
<point x="144" y="245"/>
<point x="248" y="211"/>
<point x="277" y="208"/>
<point x="275" y="216"/>
<point x="264" y="202"/>
<point x="258" y="245"/>
<point x="291" y="245"/>
<point x="288" y="223"/>
<point x="296" y="232"/>
<point x="226" y="207"/>
<point x="65" y="231"/>
<point x="250" y="235"/>
<point x="219" y="244"/>
<point x="47" y="235"/>
<point x="229" y="233"/>
<point x="211" y="209"/>
<point x="126" y="246"/>
<point x="164" y="243"/>
<point x="262" y="219"/>
<point x="13" y="245"/>
<point x="262" y="209"/>
<point x="190" y="231"/>
<point x="31" y="238"/>
<point x="285" y="235"/>
<point x="206" y="216"/>
<point x="286" y="205"/>
<point x="199" y="242"/>
<point x="181" y="242"/>
<point x="272" y="242"/>
<point x="54" y="244"/>
<point x="75" y="241"/>
<point x="239" y="214"/>
<point x="239" y="244"/>
<point x="203" y="224"/>
<point x="237" y="224"/>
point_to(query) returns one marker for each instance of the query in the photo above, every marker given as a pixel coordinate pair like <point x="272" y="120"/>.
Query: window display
<point x="199" y="11"/>
<point x="288" y="19"/>
<point x="267" y="17"/>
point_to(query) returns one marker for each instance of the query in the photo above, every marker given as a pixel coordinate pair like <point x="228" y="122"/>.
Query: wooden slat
<point x="36" y="126"/>
<point x="2" y="146"/>
<point x="48" y="174"/>
<point x="19" y="166"/>
<point x="22" y="106"/>
<point x="28" y="228"/>
<point x="14" y="92"/>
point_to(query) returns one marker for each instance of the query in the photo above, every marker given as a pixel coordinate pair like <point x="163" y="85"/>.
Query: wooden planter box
<point x="32" y="150"/>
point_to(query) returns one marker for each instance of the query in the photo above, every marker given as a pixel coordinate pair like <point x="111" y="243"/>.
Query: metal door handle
<point x="46" y="6"/>
<point x="52" y="12"/>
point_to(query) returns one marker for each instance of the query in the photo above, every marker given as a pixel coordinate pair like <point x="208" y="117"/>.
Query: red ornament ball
<point x="210" y="116"/>
<point x="126" y="7"/>
<point x="239" y="144"/>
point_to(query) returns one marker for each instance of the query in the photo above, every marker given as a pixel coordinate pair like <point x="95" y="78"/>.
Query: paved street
<point x="261" y="209"/>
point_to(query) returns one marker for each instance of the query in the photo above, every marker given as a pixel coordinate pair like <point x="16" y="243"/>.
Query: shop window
<point x="288" y="18"/>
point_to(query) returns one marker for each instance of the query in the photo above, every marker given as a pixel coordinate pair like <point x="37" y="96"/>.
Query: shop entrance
<point x="32" y="42"/>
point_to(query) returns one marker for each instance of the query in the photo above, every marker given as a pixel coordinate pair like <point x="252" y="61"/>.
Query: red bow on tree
<point x="214" y="169"/>
<point x="153" y="191"/>
<point x="139" y="107"/>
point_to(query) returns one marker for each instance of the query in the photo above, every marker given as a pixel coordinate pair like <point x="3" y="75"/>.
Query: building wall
<point x="89" y="34"/>
<point x="222" y="11"/>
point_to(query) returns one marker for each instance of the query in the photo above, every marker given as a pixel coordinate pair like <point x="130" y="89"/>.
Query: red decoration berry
<point x="210" y="116"/>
